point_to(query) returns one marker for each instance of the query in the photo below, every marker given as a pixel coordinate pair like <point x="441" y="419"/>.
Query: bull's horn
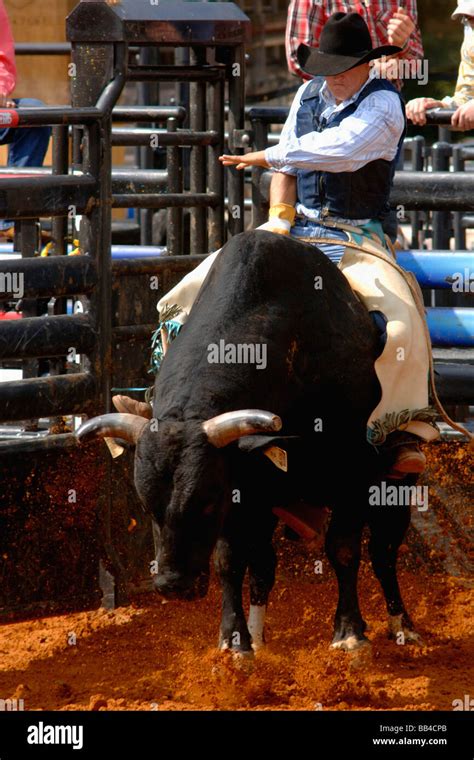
<point x="231" y="426"/>
<point x="125" y="426"/>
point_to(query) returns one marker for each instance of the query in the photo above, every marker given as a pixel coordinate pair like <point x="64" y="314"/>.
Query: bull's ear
<point x="274" y="447"/>
<point x="249" y="443"/>
<point x="230" y="426"/>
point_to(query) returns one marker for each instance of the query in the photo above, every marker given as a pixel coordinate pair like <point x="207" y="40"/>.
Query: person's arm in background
<point x="462" y="100"/>
<point x="403" y="30"/>
<point x="306" y="19"/>
<point x="7" y="58"/>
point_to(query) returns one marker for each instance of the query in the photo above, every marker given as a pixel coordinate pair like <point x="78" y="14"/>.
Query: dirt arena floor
<point x="162" y="656"/>
<point x="156" y="655"/>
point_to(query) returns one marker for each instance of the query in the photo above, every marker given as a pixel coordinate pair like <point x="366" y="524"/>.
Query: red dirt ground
<point x="162" y="656"/>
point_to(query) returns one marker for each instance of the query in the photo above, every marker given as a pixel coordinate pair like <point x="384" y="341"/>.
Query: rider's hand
<point x="278" y="226"/>
<point x="281" y="218"/>
<point x="248" y="159"/>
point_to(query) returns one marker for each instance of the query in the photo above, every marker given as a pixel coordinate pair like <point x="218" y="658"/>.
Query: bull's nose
<point x="173" y="585"/>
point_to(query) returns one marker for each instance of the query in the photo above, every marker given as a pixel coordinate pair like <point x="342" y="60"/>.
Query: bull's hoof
<point x="235" y="650"/>
<point x="401" y="630"/>
<point x="244" y="661"/>
<point x="241" y="660"/>
<point x="351" y="644"/>
<point x="237" y="653"/>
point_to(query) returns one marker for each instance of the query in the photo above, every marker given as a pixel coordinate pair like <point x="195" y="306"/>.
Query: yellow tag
<point x="115" y="448"/>
<point x="278" y="456"/>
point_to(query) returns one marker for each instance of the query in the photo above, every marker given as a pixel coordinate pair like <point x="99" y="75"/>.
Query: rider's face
<point x="345" y="85"/>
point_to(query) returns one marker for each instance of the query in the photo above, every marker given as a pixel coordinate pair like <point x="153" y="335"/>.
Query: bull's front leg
<point x="343" y="547"/>
<point x="262" y="564"/>
<point x="231" y="565"/>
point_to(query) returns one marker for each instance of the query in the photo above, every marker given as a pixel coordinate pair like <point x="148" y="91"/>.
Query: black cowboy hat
<point x="344" y="44"/>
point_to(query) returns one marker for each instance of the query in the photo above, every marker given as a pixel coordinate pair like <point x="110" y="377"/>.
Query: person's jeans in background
<point x="27" y="146"/>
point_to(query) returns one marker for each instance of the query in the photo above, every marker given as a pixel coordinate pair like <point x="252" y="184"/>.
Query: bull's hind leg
<point x="343" y="546"/>
<point x="388" y="526"/>
<point x="262" y="564"/>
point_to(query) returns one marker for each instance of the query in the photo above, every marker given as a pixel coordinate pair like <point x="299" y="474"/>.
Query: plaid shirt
<point x="306" y="19"/>
<point x="7" y="54"/>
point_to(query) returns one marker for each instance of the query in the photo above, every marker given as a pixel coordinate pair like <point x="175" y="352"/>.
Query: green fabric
<point x="372" y="226"/>
<point x="377" y="434"/>
<point x="157" y="354"/>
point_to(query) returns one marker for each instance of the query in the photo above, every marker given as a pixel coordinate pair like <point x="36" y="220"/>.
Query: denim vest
<point x="362" y="194"/>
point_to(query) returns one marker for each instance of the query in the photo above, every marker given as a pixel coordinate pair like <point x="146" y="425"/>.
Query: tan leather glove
<point x="281" y="219"/>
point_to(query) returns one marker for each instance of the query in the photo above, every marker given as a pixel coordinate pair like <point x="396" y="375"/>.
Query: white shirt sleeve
<point x="371" y="132"/>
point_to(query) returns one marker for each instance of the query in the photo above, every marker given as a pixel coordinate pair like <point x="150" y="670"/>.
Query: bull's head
<point x="182" y="478"/>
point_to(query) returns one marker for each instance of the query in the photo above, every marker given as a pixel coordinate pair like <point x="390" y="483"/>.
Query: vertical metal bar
<point x="29" y="247"/>
<point x="149" y="94"/>
<point x="442" y="222"/>
<point x="59" y="239"/>
<point x="94" y="69"/>
<point x="215" y="169"/>
<point x="174" y="227"/>
<point x="181" y="58"/>
<point x="95" y="227"/>
<point x="77" y="136"/>
<point x="441" y="219"/>
<point x="99" y="248"/>
<point x="259" y="204"/>
<point x="417" y="148"/>
<point x="60" y="166"/>
<point x="259" y="73"/>
<point x="197" y="106"/>
<point x="445" y="135"/>
<point x="459" y="231"/>
<point x="235" y="179"/>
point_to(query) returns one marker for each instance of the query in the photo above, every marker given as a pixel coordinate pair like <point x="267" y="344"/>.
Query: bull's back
<point x="276" y="326"/>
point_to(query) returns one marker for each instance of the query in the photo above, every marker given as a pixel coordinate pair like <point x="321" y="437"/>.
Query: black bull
<point x="321" y="344"/>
